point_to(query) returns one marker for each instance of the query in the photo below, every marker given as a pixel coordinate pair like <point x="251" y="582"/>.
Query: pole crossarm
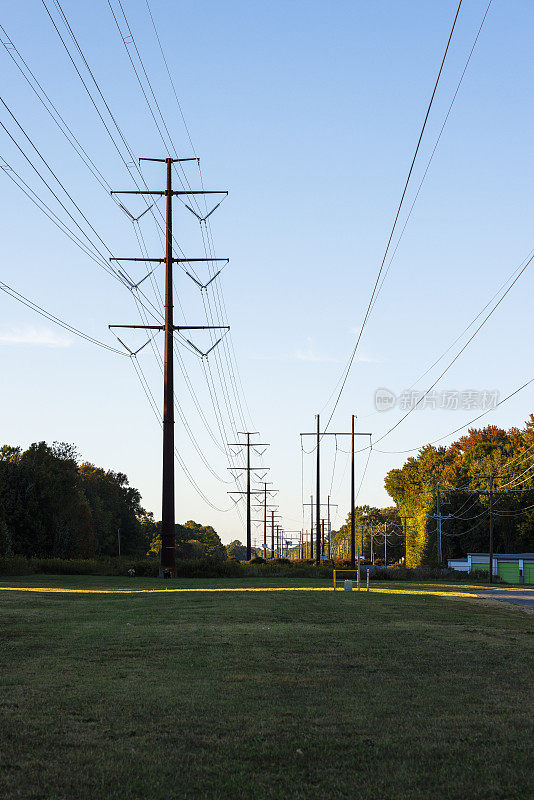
<point x="168" y="517"/>
<point x="163" y="260"/>
<point x="329" y="433"/>
<point x="166" y="160"/>
<point x="172" y="193"/>
<point x="176" y="327"/>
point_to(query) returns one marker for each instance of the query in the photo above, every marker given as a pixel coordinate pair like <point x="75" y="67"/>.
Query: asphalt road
<point x="523" y="597"/>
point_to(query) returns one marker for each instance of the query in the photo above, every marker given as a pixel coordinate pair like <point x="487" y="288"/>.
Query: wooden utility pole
<point x="168" y="564"/>
<point x="329" y="532"/>
<point x="318" y="497"/>
<point x="318" y="436"/>
<point x="312" y="503"/>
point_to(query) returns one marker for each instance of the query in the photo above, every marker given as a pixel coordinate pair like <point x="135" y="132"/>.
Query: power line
<point x="368" y="311"/>
<point x="56" y="320"/>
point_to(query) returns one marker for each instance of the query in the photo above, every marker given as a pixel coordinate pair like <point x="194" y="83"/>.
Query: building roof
<point x="504" y="556"/>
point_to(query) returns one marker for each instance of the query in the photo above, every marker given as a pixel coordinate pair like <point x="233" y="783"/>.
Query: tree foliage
<point x="53" y="507"/>
<point x="237" y="549"/>
<point x="460" y="471"/>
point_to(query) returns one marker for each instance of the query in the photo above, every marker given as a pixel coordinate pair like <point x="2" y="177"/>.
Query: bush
<point x="231" y="568"/>
<point x="15" y="565"/>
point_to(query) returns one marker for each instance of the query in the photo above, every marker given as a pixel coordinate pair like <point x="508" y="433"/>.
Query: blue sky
<point x="308" y="114"/>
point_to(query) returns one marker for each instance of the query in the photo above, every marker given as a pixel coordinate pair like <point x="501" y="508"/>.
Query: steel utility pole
<point x="248" y="444"/>
<point x="318" y="436"/>
<point x="329" y="532"/>
<point x="168" y="564"/>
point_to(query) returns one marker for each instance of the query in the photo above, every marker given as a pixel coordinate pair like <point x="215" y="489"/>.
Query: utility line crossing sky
<point x="309" y="116"/>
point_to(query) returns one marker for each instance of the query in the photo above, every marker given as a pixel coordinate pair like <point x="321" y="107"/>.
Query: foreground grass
<point x="234" y="696"/>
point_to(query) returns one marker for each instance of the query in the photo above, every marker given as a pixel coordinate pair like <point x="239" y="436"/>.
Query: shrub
<point x="15" y="565"/>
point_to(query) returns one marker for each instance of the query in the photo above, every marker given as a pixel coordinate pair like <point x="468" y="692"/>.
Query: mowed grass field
<point x="298" y="695"/>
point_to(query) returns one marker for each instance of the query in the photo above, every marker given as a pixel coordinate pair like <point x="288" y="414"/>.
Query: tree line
<point x="457" y="478"/>
<point x="52" y="505"/>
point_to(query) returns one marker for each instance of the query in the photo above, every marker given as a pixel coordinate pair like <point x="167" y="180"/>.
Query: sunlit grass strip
<point x="55" y="590"/>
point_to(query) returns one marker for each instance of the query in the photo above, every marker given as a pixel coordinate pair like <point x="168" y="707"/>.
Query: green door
<point x="528" y="572"/>
<point x="508" y="571"/>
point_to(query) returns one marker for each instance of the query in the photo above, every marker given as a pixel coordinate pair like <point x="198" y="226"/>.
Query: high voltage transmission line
<point x="226" y="369"/>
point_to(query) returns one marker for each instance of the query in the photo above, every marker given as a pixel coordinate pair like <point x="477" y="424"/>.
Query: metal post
<point x="167" y="500"/>
<point x="329" y="532"/>
<point x="272" y="534"/>
<point x="318" y="501"/>
<point x="311" y="529"/>
<point x="352" y="500"/>
<point x="265" y="519"/>
<point x="491" y="527"/>
<point x="438" y="514"/>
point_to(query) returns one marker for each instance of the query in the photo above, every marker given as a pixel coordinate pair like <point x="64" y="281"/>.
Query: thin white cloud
<point x="33" y="336"/>
<point x="312" y="356"/>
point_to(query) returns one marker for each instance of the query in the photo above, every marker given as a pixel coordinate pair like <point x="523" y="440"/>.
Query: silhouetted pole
<point x="311" y="528"/>
<point x="265" y="518"/>
<point x="167" y="500"/>
<point x="272" y="534"/>
<point x="318" y="499"/>
<point x="352" y="502"/>
<point x="491" y="527"/>
<point x="329" y="532"/>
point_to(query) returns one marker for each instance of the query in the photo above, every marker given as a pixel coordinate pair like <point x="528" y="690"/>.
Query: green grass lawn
<point x="293" y="695"/>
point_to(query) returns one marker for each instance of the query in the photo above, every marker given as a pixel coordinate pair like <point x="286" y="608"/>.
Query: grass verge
<point x="294" y="695"/>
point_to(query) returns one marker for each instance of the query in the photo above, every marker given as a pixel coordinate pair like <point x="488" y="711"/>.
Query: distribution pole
<point x="438" y="514"/>
<point x="491" y="527"/>
<point x="168" y="563"/>
<point x="352" y="502"/>
<point x="311" y="527"/>
<point x="329" y="531"/>
<point x="318" y="436"/>
<point x="318" y="499"/>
